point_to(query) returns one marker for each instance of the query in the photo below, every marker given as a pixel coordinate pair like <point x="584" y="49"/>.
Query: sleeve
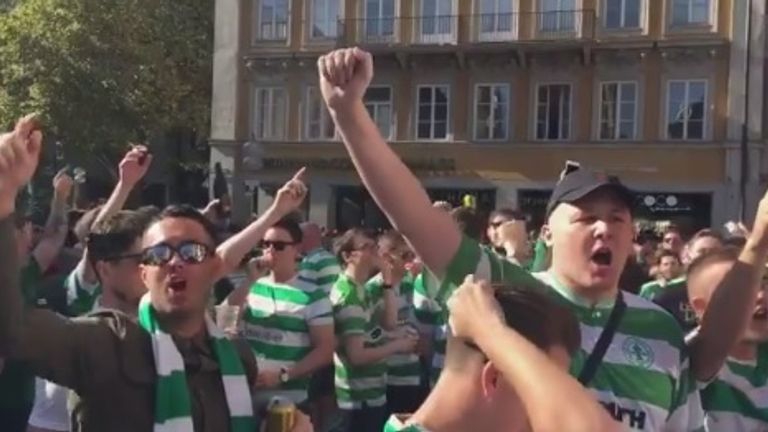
<point x="320" y="311"/>
<point x="539" y="262"/>
<point x="686" y="412"/>
<point x="81" y="295"/>
<point x="425" y="308"/>
<point x="471" y="258"/>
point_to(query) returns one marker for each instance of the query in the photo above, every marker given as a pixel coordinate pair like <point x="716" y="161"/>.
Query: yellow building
<point x="491" y="97"/>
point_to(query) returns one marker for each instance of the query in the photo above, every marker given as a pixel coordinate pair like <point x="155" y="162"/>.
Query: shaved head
<point x="312" y="236"/>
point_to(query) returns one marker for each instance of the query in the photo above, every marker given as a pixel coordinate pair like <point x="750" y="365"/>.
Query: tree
<point x="102" y="73"/>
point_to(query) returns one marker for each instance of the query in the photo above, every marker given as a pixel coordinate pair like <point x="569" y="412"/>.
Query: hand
<point x="392" y="270"/>
<point x="258" y="268"/>
<point x="63" y="184"/>
<point x="406" y="344"/>
<point x="19" y="156"/>
<point x="291" y="195"/>
<point x="268" y="379"/>
<point x="301" y="423"/>
<point x="135" y="165"/>
<point x="471" y="308"/>
<point x="414" y="267"/>
<point x="344" y="77"/>
<point x="211" y="210"/>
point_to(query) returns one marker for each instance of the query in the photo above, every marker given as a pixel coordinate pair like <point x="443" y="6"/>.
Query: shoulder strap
<point x="606" y="337"/>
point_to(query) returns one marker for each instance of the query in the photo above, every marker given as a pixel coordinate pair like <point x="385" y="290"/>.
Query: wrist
<point x="125" y="185"/>
<point x="344" y="111"/>
<point x="488" y="328"/>
<point x="755" y="251"/>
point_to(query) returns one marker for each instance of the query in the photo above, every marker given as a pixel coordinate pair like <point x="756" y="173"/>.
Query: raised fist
<point x="344" y="77"/>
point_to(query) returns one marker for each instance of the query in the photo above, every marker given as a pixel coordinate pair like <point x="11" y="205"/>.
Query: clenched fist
<point x="19" y="156"/>
<point x="344" y="77"/>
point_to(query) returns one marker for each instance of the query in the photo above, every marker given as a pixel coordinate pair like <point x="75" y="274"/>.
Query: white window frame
<point x="331" y="20"/>
<point x="438" y="37"/>
<point x="705" y="109"/>
<point x="432" y="119"/>
<point x="377" y="104"/>
<point x="623" y="17"/>
<point x="325" y="117"/>
<point x="496" y="35"/>
<point x="274" y="37"/>
<point x="543" y="29"/>
<point x="379" y="35"/>
<point x="569" y="131"/>
<point x="272" y="133"/>
<point x="688" y="22"/>
<point x="617" y="103"/>
<point x="493" y="86"/>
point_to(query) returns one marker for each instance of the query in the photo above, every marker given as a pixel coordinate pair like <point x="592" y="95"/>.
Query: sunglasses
<point x="190" y="252"/>
<point x="277" y="245"/>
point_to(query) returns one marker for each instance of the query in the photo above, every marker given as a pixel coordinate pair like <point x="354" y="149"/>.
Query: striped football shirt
<point x="397" y="424"/>
<point x="403" y="369"/>
<point x="644" y="380"/>
<point x="737" y="400"/>
<point x="320" y="268"/>
<point x="353" y="314"/>
<point x="276" y="322"/>
<point x="431" y="314"/>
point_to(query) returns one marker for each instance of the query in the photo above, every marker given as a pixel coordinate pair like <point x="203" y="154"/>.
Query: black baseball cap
<point x="580" y="182"/>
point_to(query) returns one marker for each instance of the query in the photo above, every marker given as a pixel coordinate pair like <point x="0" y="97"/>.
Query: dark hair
<point x="345" y="243"/>
<point x="666" y="253"/>
<point x="183" y="211"/>
<point x="539" y="318"/>
<point x="393" y="238"/>
<point x="83" y="226"/>
<point x="509" y="214"/>
<point x="468" y="221"/>
<point x="737" y="242"/>
<point x="292" y="227"/>
<point x="114" y="236"/>
<point x="726" y="254"/>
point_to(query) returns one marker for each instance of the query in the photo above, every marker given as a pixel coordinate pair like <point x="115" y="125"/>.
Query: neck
<point x="744" y="351"/>
<point x="448" y="407"/>
<point x="283" y="275"/>
<point x="357" y="274"/>
<point x="186" y="327"/>
<point x="111" y="300"/>
<point x="591" y="294"/>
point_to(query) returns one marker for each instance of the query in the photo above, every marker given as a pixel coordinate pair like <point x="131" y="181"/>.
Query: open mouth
<point x="178" y="285"/>
<point x="761" y="313"/>
<point x="602" y="257"/>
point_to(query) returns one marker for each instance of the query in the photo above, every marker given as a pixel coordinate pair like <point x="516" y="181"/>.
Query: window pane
<point x="626" y="130"/>
<point x="695" y="129"/>
<point x="680" y="12"/>
<point x="632" y="13"/>
<point x="425" y="95"/>
<point x="699" y="11"/>
<point x="425" y="113"/>
<point x="441" y="112"/>
<point x="441" y="95"/>
<point x="384" y="120"/>
<point x="441" y="129"/>
<point x="613" y="13"/>
<point x="377" y="94"/>
<point x="628" y="111"/>
<point x="628" y="92"/>
<point x="424" y="130"/>
<point x="484" y="94"/>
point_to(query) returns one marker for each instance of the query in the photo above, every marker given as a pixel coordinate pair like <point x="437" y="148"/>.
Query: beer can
<point x="281" y="414"/>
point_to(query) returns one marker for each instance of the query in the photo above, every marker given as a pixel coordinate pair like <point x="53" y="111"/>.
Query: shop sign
<point x="345" y="164"/>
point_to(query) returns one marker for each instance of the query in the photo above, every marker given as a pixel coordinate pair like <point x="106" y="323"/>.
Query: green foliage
<point x="102" y="73"/>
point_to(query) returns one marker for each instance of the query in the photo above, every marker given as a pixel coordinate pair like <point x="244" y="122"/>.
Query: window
<point x="273" y="20"/>
<point x="686" y="109"/>
<point x="622" y="13"/>
<point x="325" y="16"/>
<point x="618" y="110"/>
<point x="379" y="19"/>
<point x="687" y="12"/>
<point x="553" y="112"/>
<point x="495" y="18"/>
<point x="319" y="124"/>
<point x="269" y="113"/>
<point x="491" y="112"/>
<point x="557" y="15"/>
<point x="436" y="21"/>
<point x="433" y="112"/>
<point x="378" y="102"/>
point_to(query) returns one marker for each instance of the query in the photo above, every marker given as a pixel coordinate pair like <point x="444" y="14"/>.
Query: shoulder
<point x="652" y="321"/>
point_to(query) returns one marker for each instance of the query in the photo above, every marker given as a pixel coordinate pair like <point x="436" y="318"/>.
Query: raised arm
<point x="732" y="303"/>
<point x="57" y="226"/>
<point x="287" y="199"/>
<point x="541" y="385"/>
<point x="344" y="77"/>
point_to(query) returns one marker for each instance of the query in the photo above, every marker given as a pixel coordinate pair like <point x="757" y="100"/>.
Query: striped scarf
<point x="173" y="410"/>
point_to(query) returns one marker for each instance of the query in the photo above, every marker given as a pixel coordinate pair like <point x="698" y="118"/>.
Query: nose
<point x="175" y="261"/>
<point x="602" y="229"/>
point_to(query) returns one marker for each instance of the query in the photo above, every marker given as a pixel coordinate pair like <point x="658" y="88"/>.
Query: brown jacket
<point x="106" y="359"/>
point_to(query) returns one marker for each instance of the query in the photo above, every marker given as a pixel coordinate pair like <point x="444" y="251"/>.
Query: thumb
<point x="34" y="144"/>
<point x="363" y="60"/>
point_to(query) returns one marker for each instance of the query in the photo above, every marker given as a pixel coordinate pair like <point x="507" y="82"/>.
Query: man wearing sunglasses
<point x="171" y="370"/>
<point x="287" y="321"/>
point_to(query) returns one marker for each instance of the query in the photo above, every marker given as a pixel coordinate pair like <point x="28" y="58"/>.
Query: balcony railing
<point x="568" y="25"/>
<point x="271" y="31"/>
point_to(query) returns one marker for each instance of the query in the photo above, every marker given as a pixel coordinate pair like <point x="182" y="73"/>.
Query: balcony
<point x="571" y="25"/>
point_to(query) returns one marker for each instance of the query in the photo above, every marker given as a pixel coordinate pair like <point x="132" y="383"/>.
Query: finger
<point x="364" y="61"/>
<point x="469" y="279"/>
<point x="299" y="176"/>
<point x="26" y="125"/>
<point x="338" y="60"/>
<point x="35" y="144"/>
<point x="333" y="68"/>
<point x="349" y="64"/>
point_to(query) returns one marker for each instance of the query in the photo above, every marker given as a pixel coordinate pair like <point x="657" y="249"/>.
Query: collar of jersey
<point x="574" y="298"/>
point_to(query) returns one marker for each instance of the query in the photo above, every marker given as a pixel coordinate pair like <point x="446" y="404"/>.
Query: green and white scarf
<point x="173" y="410"/>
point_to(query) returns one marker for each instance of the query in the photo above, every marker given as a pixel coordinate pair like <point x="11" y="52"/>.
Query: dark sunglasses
<point x="278" y="245"/>
<point x="190" y="252"/>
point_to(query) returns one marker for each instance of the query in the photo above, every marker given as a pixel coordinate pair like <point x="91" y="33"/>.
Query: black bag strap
<point x="606" y="336"/>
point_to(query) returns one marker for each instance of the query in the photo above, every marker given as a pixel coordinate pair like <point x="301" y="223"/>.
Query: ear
<point x="143" y="274"/>
<point x="102" y="269"/>
<point x="489" y="380"/>
<point x="546" y="235"/>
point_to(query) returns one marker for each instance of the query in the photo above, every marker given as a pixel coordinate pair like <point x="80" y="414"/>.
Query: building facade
<point x="491" y="97"/>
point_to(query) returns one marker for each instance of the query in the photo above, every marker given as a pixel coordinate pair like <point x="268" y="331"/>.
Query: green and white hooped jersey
<point x="403" y="369"/>
<point x="395" y="424"/>
<point x="276" y="322"/>
<point x="320" y="268"/>
<point x="737" y="399"/>
<point x="353" y="315"/>
<point x="431" y="313"/>
<point x="644" y="379"/>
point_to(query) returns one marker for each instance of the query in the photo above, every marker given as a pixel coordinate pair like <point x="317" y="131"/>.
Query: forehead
<point x="175" y="230"/>
<point x="276" y="233"/>
<point x="667" y="258"/>
<point x="601" y="199"/>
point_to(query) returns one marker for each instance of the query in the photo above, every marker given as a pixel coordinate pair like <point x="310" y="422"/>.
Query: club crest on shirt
<point x="638" y="352"/>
